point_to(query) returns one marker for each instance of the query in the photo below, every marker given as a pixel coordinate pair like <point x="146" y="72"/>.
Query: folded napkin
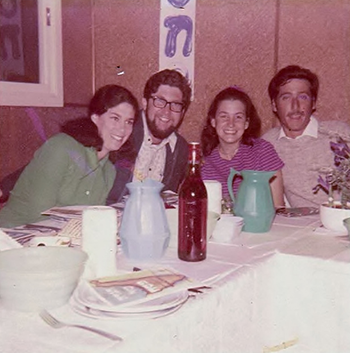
<point x="6" y="242"/>
<point x="132" y="288"/>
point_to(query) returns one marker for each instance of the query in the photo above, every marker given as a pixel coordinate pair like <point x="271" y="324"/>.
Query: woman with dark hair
<point x="230" y="139"/>
<point x="75" y="167"/>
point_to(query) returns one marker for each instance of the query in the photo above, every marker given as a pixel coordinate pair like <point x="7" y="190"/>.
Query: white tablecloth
<point x="286" y="288"/>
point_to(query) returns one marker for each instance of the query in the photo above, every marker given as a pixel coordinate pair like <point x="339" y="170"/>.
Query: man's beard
<point x="158" y="133"/>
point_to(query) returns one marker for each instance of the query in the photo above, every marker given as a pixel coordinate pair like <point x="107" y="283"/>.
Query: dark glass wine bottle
<point x="193" y="206"/>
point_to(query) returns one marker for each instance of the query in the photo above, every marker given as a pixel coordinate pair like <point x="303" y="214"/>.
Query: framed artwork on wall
<point x="31" y="53"/>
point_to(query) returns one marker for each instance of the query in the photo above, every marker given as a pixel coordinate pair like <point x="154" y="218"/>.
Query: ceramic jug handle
<point x="229" y="184"/>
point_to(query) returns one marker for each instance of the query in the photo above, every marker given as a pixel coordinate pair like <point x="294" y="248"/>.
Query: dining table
<point x="286" y="290"/>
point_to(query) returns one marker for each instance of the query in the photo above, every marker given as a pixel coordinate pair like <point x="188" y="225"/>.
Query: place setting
<point x="145" y="294"/>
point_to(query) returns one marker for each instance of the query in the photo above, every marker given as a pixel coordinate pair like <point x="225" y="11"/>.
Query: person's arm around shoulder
<point x="277" y="189"/>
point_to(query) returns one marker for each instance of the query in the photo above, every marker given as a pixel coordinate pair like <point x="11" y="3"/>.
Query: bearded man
<point x="161" y="151"/>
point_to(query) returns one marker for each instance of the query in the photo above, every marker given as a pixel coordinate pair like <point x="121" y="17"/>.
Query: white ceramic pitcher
<point x="144" y="230"/>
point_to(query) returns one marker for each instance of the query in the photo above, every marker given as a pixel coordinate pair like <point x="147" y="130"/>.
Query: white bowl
<point x="227" y="228"/>
<point x="173" y="222"/>
<point x="332" y="218"/>
<point x="32" y="279"/>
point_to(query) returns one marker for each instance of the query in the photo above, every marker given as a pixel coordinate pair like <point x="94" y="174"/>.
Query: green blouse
<point x="62" y="173"/>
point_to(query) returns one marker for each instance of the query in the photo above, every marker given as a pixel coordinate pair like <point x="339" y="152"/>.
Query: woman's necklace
<point x="227" y="155"/>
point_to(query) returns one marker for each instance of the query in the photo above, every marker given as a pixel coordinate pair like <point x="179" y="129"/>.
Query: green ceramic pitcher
<point x="254" y="200"/>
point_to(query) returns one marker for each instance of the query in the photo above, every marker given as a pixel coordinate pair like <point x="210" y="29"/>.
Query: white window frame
<point x="49" y="92"/>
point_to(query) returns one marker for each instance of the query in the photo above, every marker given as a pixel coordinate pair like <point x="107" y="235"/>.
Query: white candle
<point x="99" y="241"/>
<point x="214" y="191"/>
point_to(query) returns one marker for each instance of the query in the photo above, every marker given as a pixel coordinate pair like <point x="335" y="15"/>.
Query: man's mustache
<point x="290" y="115"/>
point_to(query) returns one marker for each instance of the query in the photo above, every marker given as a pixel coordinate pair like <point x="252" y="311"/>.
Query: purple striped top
<point x="262" y="156"/>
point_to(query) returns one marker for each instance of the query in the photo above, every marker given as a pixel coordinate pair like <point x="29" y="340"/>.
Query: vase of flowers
<point x="336" y="181"/>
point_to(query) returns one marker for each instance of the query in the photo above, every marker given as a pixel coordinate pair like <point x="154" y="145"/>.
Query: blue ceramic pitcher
<point x="254" y="200"/>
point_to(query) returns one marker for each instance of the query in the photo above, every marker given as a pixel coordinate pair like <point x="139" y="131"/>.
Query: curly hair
<point x="209" y="137"/>
<point x="171" y="78"/>
<point x="289" y="73"/>
<point x="85" y="131"/>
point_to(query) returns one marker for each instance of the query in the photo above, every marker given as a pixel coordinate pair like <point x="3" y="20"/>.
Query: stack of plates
<point x="84" y="303"/>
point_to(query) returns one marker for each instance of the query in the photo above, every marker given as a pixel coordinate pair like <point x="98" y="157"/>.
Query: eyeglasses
<point x="176" y="107"/>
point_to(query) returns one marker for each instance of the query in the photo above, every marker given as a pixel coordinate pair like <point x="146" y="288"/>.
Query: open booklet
<point x="133" y="288"/>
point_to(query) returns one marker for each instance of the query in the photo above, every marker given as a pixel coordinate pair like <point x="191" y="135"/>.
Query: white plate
<point x="100" y="314"/>
<point x="86" y="296"/>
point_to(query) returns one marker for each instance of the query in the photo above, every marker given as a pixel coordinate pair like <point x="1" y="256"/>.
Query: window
<point x="31" y="53"/>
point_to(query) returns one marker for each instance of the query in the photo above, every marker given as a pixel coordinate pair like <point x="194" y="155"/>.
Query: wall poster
<point x="176" y="43"/>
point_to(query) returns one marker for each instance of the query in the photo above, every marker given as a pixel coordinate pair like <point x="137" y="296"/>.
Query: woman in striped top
<point x="230" y="139"/>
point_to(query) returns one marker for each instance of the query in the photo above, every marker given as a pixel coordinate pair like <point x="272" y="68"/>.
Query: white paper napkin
<point x="99" y="241"/>
<point x="214" y="192"/>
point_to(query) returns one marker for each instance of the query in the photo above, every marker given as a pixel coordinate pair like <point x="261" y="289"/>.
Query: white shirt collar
<point x="310" y="130"/>
<point x="171" y="139"/>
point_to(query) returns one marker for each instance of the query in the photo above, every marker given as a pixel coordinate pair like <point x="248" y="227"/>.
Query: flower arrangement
<point x="337" y="178"/>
